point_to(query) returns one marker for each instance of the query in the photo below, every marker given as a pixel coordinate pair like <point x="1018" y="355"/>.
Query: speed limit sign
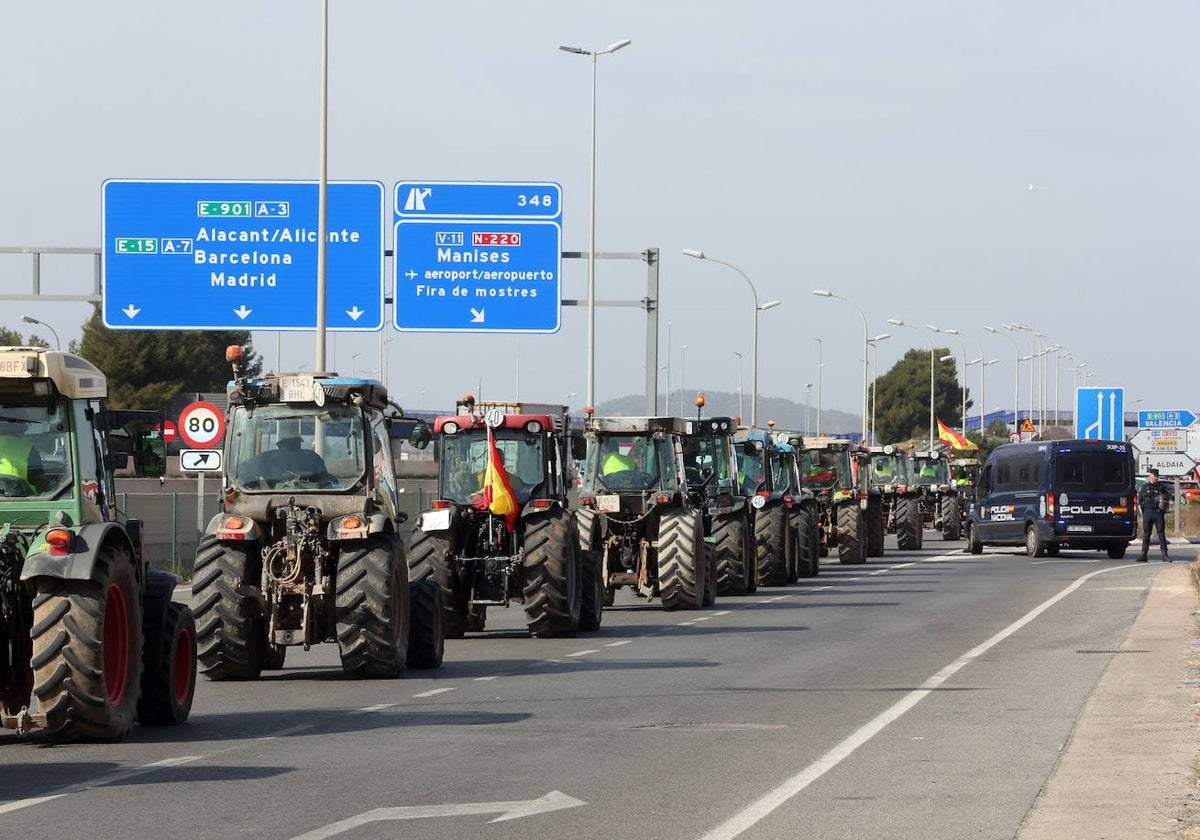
<point x="201" y="425"/>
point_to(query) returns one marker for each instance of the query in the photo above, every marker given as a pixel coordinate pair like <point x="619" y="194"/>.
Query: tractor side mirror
<point x="421" y="435"/>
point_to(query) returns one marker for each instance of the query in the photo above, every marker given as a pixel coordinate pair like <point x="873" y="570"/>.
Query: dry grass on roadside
<point x="1191" y="830"/>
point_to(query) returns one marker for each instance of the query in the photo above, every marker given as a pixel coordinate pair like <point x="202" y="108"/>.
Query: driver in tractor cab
<point x="927" y="471"/>
<point x="292" y="458"/>
<point x="615" y="462"/>
<point x="19" y="458"/>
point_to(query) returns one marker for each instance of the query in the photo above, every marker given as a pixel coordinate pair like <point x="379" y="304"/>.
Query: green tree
<point x="903" y="396"/>
<point x="146" y="369"/>
<point x="11" y="338"/>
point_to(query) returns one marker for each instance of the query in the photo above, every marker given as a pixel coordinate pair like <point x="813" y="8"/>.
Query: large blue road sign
<point x="1100" y="413"/>
<point x="240" y="255"/>
<point x="1165" y="419"/>
<point x="478" y="257"/>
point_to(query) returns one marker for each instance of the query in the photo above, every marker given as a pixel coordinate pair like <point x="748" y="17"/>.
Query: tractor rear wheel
<point x="372" y="608"/>
<point x="168" y="655"/>
<point x="553" y="587"/>
<point x="852" y="547"/>
<point x="426" y="643"/>
<point x="729" y="546"/>
<point x="680" y="560"/>
<point x="908" y="524"/>
<point x="951" y="518"/>
<point x="592" y="607"/>
<point x="428" y="557"/>
<point x="808" y="561"/>
<point x="87" y="650"/>
<point x="231" y="633"/>
<point x="770" y="545"/>
<point x="874" y="515"/>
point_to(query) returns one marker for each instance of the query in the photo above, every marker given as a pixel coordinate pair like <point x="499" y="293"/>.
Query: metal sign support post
<point x="648" y="303"/>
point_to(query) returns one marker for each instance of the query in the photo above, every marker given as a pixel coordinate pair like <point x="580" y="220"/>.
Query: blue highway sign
<point x="1100" y="413"/>
<point x="478" y="257"/>
<point x="240" y="255"/>
<point x="1165" y="419"/>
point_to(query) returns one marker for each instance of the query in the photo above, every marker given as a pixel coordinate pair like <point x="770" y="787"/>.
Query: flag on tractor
<point x="953" y="438"/>
<point x="498" y="496"/>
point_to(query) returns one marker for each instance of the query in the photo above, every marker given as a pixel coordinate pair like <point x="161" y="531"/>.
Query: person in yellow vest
<point x="20" y="464"/>
<point x="615" y="462"/>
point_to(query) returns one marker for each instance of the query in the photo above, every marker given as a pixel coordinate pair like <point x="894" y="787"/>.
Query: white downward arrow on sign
<point x="131" y="311"/>
<point x="355" y="313"/>
<point x="477" y="316"/>
<point x="553" y="801"/>
<point x="242" y="311"/>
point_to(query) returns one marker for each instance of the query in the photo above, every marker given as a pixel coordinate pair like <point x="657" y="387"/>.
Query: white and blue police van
<point x="1056" y="494"/>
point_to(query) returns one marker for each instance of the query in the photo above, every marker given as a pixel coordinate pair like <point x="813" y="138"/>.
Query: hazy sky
<point x="882" y="150"/>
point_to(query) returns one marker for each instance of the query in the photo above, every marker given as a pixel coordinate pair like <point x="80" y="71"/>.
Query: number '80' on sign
<point x="201" y="425"/>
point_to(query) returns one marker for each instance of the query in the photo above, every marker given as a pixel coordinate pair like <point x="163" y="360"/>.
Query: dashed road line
<point x="433" y="692"/>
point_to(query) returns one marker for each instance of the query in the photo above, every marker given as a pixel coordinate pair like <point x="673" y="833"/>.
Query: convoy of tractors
<point x="308" y="547"/>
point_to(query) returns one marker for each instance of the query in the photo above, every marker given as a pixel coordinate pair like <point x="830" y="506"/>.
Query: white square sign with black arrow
<point x="200" y="460"/>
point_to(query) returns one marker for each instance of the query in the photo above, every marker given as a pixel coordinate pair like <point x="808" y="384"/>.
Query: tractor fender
<point x="374" y="523"/>
<point x="79" y="562"/>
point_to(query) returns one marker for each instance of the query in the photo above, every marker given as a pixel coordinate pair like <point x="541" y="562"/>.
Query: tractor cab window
<point x="630" y="462"/>
<point x="887" y="469"/>
<point x="823" y="468"/>
<point x="297" y="447"/>
<point x="35" y="455"/>
<point x="465" y="457"/>
<point x="933" y="471"/>
<point x="706" y="462"/>
<point x="781" y="472"/>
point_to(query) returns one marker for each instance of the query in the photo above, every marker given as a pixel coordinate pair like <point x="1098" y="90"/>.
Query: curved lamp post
<point x="866" y="342"/>
<point x="1016" y="374"/>
<point x="897" y="322"/>
<point x="873" y="343"/>
<point x="771" y="304"/>
<point x="29" y="320"/>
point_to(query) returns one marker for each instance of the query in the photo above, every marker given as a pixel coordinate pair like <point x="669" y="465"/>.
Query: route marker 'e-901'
<point x="241" y="255"/>
<point x="478" y="256"/>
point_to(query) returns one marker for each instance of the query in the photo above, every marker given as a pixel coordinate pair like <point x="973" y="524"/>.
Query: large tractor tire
<point x="852" y="548"/>
<point x="710" y="574"/>
<point x="808" y="560"/>
<point x="168" y="653"/>
<point x="592" y="602"/>
<point x="793" y="544"/>
<point x="908" y="524"/>
<point x="231" y="632"/>
<point x="588" y="523"/>
<point x="770" y="545"/>
<point x="372" y="607"/>
<point x="874" y="514"/>
<point x="429" y="557"/>
<point x="681" y="560"/>
<point x="553" y="575"/>
<point x="729" y="548"/>
<point x="951" y="518"/>
<point x="426" y="642"/>
<point x="87" y="650"/>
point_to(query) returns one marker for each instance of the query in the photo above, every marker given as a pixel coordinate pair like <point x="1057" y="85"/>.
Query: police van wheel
<point x="1033" y="545"/>
<point x="973" y="543"/>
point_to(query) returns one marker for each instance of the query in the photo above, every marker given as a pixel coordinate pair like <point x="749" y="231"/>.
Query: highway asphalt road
<point x="924" y="694"/>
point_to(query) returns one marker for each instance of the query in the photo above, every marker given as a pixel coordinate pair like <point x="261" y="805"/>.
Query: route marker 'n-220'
<point x="478" y="256"/>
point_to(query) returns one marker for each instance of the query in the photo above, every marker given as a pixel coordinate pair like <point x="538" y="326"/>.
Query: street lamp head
<point x="881" y="337"/>
<point x="576" y="50"/>
<point x="896" y="322"/>
<point x="771" y="304"/>
<point x="935" y="329"/>
<point x="947" y="357"/>
<point x="692" y="252"/>
<point x="822" y="293"/>
<point x="619" y="45"/>
<point x="29" y="320"/>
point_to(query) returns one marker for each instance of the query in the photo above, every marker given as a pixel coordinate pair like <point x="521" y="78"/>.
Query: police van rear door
<point x="1094" y="484"/>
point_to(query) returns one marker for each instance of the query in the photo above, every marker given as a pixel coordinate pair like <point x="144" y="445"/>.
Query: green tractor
<point x="938" y="494"/>
<point x="891" y="477"/>
<point x="832" y="469"/>
<point x="86" y="626"/>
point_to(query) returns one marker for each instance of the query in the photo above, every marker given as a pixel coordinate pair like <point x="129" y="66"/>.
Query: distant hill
<point x="786" y="414"/>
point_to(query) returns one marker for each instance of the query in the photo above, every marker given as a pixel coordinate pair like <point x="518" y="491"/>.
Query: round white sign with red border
<point x="201" y="425"/>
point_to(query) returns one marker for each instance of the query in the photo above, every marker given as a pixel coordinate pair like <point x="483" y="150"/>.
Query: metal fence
<point x="173" y="522"/>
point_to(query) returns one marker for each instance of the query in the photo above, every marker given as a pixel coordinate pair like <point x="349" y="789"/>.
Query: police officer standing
<point x="1154" y="501"/>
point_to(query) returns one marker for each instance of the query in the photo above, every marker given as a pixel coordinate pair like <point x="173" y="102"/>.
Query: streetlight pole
<point x="807" y="405"/>
<point x="739" y="357"/>
<point x="54" y="332"/>
<point x="1016" y="375"/>
<point x="962" y="344"/>
<point x="667" y="400"/>
<point x="700" y="255"/>
<point x="932" y="350"/>
<point x="682" y="376"/>
<point x="1033" y="348"/>
<point x="591" y="258"/>
<point x="820" y="376"/>
<point x="874" y="344"/>
<point x="866" y="339"/>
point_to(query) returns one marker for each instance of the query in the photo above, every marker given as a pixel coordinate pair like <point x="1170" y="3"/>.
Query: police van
<point x="1056" y="494"/>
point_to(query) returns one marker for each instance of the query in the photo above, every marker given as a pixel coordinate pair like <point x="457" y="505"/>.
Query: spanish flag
<point x="953" y="438"/>
<point x="498" y="496"/>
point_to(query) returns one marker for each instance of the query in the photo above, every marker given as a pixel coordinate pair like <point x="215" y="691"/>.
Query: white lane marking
<point x="486" y="679"/>
<point x="696" y="620"/>
<point x="122" y="775"/>
<point x="619" y="643"/>
<point x="433" y="692"/>
<point x="584" y="652"/>
<point x="376" y="708"/>
<point x="722" y="612"/>
<point x="773" y="600"/>
<point x="758" y="810"/>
